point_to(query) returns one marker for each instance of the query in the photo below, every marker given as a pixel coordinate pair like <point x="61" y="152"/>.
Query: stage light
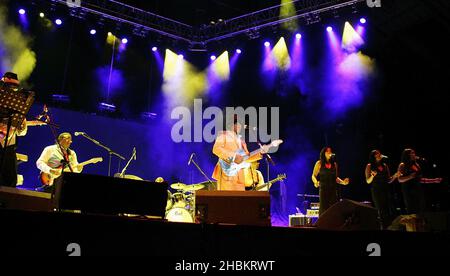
<point x="41" y="15"/>
<point x="22" y="11"/>
<point x="180" y="56"/>
<point x="298" y="36"/>
<point x="154" y="49"/>
<point x="124" y="41"/>
<point x="60" y="98"/>
<point x="363" y="21"/>
<point x="329" y="29"/>
<point x="93" y="32"/>
<point x="213" y="57"/>
<point x="267" y="44"/>
<point x="107" y="107"/>
<point x="238" y="51"/>
<point x="58" y="22"/>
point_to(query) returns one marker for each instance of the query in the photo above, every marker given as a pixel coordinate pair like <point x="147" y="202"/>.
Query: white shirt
<point x="51" y="158"/>
<point x="12" y="136"/>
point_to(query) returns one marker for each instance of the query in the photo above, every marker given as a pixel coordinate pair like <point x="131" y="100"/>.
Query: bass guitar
<point x="266" y="186"/>
<point x="12" y="131"/>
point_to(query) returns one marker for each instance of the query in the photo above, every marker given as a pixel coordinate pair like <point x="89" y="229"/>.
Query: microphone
<point x="79" y="133"/>
<point x="384" y="157"/>
<point x="418" y="158"/>
<point x="190" y="158"/>
<point x="333" y="155"/>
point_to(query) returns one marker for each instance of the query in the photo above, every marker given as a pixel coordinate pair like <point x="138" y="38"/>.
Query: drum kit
<point x="181" y="205"/>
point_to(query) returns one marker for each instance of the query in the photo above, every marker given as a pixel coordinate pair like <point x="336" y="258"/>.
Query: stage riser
<point x="49" y="234"/>
<point x="16" y="199"/>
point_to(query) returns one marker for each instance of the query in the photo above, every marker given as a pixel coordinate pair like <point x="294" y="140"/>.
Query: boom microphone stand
<point x="210" y="182"/>
<point x="110" y="152"/>
<point x="133" y="156"/>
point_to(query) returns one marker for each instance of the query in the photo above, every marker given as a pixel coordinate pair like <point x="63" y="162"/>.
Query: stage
<point x="49" y="234"/>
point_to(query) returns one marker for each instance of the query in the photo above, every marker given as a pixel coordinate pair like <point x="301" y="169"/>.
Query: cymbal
<point x="194" y="187"/>
<point x="178" y="186"/>
<point x="128" y="176"/>
<point x="206" y="183"/>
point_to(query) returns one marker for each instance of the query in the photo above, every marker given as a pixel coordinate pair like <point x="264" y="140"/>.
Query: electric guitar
<point x="269" y="184"/>
<point x="12" y="131"/>
<point x="230" y="168"/>
<point x="47" y="178"/>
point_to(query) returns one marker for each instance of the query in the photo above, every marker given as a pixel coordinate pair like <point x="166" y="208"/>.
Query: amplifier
<point x="18" y="199"/>
<point x="302" y="220"/>
<point x="233" y="207"/>
<point x="94" y="194"/>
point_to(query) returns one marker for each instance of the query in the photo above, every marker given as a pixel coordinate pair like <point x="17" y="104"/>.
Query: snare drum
<point x="179" y="215"/>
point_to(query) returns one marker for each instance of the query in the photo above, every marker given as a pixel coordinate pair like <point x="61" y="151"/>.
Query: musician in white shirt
<point x="58" y="158"/>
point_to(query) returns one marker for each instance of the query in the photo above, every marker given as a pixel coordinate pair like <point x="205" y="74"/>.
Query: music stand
<point x="14" y="106"/>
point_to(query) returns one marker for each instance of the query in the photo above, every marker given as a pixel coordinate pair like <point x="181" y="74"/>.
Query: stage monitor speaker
<point x="19" y="199"/>
<point x="233" y="207"/>
<point x="349" y="215"/>
<point x="425" y="222"/>
<point x="95" y="194"/>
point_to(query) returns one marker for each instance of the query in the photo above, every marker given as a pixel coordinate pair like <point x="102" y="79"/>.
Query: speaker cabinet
<point x="108" y="195"/>
<point x="349" y="215"/>
<point x="232" y="207"/>
<point x="18" y="199"/>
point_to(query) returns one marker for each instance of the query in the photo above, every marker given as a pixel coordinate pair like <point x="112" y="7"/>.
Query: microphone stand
<point x="129" y="161"/>
<point x="211" y="183"/>
<point x="110" y="152"/>
<point x="267" y="156"/>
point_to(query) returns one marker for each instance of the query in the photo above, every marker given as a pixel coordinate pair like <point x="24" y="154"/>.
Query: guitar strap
<point x="65" y="154"/>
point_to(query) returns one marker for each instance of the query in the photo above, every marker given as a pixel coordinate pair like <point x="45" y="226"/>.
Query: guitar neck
<point x="87" y="162"/>
<point x="253" y="153"/>
<point x="259" y="187"/>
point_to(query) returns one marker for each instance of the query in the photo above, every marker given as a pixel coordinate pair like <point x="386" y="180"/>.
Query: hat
<point x="234" y="120"/>
<point x="10" y="78"/>
<point x="11" y="75"/>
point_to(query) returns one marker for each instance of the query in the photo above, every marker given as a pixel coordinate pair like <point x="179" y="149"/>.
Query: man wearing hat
<point x="8" y="158"/>
<point x="230" y="148"/>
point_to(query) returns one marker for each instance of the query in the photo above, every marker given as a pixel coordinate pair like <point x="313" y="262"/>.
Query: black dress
<point x="8" y="170"/>
<point x="381" y="194"/>
<point x="412" y="190"/>
<point x="328" y="187"/>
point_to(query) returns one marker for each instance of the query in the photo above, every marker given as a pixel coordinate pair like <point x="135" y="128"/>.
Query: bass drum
<point x="179" y="215"/>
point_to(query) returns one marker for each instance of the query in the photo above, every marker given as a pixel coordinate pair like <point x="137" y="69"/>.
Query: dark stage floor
<point x="48" y="234"/>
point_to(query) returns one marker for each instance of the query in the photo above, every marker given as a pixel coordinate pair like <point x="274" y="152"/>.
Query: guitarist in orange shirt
<point x="234" y="158"/>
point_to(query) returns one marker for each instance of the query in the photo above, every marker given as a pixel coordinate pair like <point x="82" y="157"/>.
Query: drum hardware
<point x="180" y="205"/>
